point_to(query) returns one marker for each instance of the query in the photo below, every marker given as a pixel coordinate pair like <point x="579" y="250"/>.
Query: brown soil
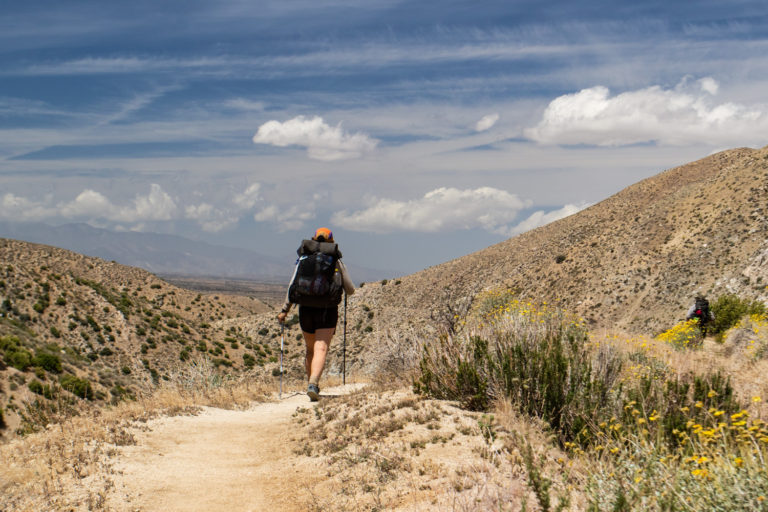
<point x="217" y="460"/>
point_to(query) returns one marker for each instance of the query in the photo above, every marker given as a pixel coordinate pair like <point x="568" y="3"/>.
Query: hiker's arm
<point x="287" y="305"/>
<point x="349" y="286"/>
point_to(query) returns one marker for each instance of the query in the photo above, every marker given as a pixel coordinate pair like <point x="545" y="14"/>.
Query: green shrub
<point x="47" y="361"/>
<point x="39" y="388"/>
<point x="79" y="387"/>
<point x="3" y="425"/>
<point x="92" y="322"/>
<point x="120" y="393"/>
<point x="19" y="359"/>
<point x="55" y="332"/>
<point x="729" y="309"/>
<point x="9" y="342"/>
<point x="249" y="361"/>
<point x="543" y="363"/>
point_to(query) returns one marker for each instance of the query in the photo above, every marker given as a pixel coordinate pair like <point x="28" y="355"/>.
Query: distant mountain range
<point x="163" y="254"/>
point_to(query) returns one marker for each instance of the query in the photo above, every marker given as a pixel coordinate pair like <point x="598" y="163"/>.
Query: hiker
<point x="317" y="284"/>
<point x="701" y="311"/>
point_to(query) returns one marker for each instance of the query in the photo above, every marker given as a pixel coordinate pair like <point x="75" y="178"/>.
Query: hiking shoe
<point x="313" y="392"/>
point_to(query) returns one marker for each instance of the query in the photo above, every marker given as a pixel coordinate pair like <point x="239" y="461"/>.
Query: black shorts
<point x="311" y="319"/>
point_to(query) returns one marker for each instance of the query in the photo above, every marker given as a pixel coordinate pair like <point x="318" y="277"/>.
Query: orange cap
<point x="323" y="235"/>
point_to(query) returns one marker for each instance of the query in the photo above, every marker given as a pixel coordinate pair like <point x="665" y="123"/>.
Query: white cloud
<point x="249" y="197"/>
<point x="88" y="203"/>
<point x="439" y="210"/>
<point x="286" y="219"/>
<point x="680" y="116"/>
<point x="487" y="122"/>
<point x="541" y="218"/>
<point x="17" y="208"/>
<point x="211" y="219"/>
<point x="157" y="205"/>
<point x="709" y="85"/>
<point x="92" y="205"/>
<point x="323" y="142"/>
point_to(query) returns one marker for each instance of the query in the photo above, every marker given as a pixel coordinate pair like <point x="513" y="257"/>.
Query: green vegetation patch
<point x="79" y="387"/>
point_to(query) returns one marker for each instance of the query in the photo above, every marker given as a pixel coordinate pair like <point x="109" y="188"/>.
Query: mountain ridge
<point x="634" y="260"/>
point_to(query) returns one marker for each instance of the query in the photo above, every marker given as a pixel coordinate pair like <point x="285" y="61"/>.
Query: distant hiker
<point x="701" y="311"/>
<point x="317" y="285"/>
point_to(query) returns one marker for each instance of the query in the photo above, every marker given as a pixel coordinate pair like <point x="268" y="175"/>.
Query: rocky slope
<point x="633" y="261"/>
<point x="76" y="330"/>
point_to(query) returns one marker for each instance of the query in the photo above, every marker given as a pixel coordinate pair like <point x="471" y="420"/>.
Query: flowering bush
<point x="651" y="438"/>
<point x="683" y="335"/>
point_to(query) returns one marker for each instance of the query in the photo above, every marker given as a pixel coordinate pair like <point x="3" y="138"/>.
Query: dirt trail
<point x="218" y="460"/>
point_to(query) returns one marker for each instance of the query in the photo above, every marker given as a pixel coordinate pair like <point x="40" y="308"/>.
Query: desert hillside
<point x="77" y="331"/>
<point x="634" y="260"/>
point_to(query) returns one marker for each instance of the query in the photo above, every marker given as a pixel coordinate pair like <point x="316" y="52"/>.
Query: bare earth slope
<point x="634" y="260"/>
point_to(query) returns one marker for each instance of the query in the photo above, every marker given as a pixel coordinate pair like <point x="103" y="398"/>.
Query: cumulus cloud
<point x="286" y="218"/>
<point x="686" y="114"/>
<point x="439" y="210"/>
<point x="157" y="205"/>
<point x="248" y="198"/>
<point x="17" y="208"/>
<point x="88" y="203"/>
<point x="542" y="217"/>
<point x="214" y="219"/>
<point x="210" y="218"/>
<point x="323" y="142"/>
<point x="92" y="205"/>
<point x="487" y="122"/>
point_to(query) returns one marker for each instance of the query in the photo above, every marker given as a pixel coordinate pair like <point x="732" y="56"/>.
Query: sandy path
<point x="217" y="460"/>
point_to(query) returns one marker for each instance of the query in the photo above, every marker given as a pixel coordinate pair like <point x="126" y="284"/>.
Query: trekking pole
<point x="282" y="342"/>
<point x="344" y="350"/>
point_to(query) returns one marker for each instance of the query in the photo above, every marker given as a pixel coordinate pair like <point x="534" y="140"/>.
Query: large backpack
<point x="701" y="310"/>
<point x="317" y="282"/>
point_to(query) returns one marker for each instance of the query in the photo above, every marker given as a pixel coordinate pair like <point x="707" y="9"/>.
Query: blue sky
<point x="418" y="131"/>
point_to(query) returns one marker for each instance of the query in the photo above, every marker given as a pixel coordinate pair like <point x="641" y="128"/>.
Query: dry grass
<point x="68" y="466"/>
<point x="391" y="450"/>
<point x="746" y="373"/>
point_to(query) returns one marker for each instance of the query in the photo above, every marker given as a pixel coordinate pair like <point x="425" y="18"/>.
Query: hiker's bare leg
<point x="319" y="352"/>
<point x="309" y="339"/>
